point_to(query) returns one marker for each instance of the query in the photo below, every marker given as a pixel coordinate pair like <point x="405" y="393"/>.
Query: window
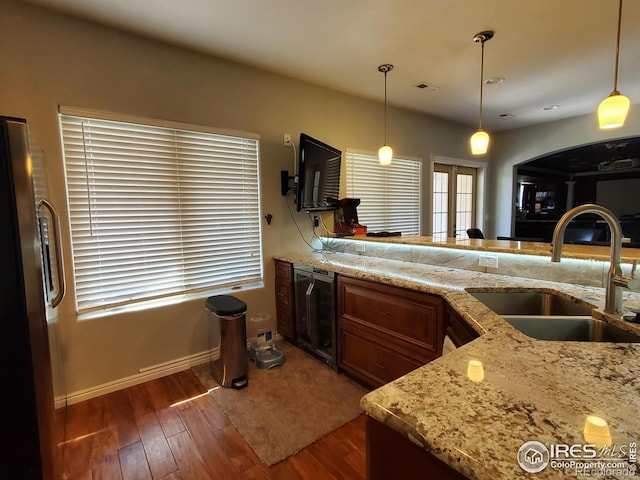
<point x="454" y="209"/>
<point x="158" y="209"/>
<point x="440" y="204"/>
<point x="389" y="195"/>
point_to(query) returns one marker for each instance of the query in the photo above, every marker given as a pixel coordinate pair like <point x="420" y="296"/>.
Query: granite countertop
<point x="585" y="252"/>
<point x="532" y="389"/>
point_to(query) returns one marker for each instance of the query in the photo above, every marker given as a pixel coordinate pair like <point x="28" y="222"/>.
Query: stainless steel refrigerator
<point x="32" y="283"/>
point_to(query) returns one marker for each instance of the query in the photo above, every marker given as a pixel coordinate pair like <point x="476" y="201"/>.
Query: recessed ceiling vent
<point x="427" y="86"/>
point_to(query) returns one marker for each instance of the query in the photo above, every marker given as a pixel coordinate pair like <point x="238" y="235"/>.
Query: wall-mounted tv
<point x="318" y="175"/>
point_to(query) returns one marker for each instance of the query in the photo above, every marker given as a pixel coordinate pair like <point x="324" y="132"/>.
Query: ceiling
<point x="621" y="156"/>
<point x="550" y="52"/>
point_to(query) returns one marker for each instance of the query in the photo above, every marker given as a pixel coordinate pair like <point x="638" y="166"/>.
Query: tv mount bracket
<point x="285" y="180"/>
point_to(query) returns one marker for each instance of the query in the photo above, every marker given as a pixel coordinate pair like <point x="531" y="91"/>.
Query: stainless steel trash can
<point x="231" y="368"/>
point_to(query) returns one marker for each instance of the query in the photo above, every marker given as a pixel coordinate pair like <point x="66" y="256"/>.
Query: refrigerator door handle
<point x="312" y="327"/>
<point x="58" y="249"/>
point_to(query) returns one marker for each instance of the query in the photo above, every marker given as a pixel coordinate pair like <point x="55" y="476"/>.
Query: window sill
<point x="172" y="300"/>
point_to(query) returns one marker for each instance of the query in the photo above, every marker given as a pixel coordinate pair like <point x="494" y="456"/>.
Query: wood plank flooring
<point x="171" y="429"/>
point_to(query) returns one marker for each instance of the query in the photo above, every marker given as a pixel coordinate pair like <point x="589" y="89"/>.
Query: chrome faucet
<point x="616" y="280"/>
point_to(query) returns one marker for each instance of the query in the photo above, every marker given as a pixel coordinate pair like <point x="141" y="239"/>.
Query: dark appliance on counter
<point x="29" y="445"/>
<point x="315" y="294"/>
<point x="318" y="184"/>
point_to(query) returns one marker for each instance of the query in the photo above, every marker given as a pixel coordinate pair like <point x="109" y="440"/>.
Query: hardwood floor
<point x="171" y="429"/>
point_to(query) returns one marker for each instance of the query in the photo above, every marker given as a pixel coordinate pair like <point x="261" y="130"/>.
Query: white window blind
<point x="389" y="195"/>
<point x="158" y="210"/>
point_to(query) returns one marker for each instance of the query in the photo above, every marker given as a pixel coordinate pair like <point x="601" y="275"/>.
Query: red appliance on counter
<point x="345" y="218"/>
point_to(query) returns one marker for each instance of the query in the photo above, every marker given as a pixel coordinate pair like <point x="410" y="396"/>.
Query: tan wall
<point x="47" y="59"/>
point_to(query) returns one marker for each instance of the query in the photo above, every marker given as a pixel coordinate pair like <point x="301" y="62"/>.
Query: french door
<point x="454" y="201"/>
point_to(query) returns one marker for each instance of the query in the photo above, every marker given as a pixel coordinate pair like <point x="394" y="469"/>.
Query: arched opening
<point x="606" y="173"/>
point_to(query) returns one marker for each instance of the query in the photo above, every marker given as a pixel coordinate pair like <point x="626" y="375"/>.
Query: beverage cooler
<point x="315" y="293"/>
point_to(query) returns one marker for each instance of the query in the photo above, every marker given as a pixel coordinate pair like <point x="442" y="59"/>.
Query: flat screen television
<point x="318" y="175"/>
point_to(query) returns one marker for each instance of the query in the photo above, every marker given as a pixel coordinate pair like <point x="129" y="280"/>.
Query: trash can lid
<point x="224" y="305"/>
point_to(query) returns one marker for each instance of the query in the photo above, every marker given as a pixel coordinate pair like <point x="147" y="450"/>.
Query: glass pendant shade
<point x="479" y="142"/>
<point x="613" y="110"/>
<point x="385" y="154"/>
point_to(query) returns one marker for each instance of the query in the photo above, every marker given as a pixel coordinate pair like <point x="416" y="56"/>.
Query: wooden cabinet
<point x="285" y="307"/>
<point x="390" y="455"/>
<point x="385" y="332"/>
<point x="458" y="330"/>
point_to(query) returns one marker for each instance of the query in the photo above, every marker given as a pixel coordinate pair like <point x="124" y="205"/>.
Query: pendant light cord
<point x="385" y="106"/>
<point x="482" y="39"/>
<point x="615" y="72"/>
<point x="385" y="68"/>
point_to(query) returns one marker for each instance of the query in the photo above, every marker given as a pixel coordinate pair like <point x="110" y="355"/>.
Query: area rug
<point x="286" y="408"/>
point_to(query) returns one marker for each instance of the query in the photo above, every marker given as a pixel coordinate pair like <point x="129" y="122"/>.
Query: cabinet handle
<point x="380" y="312"/>
<point x="280" y="294"/>
<point x="379" y="365"/>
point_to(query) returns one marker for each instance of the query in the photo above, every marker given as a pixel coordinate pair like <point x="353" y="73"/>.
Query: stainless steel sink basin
<point x="531" y="302"/>
<point x="548" y="316"/>
<point x="570" y="328"/>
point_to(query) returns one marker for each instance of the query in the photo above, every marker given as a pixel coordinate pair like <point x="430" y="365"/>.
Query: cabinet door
<point x="385" y="332"/>
<point x="285" y="319"/>
<point x="368" y="360"/>
<point x="391" y="455"/>
<point x="397" y="315"/>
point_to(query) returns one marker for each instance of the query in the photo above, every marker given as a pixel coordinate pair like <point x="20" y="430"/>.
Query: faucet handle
<point x="633" y="269"/>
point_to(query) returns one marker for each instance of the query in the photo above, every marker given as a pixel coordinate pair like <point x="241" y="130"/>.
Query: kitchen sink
<point x="549" y="316"/>
<point x="533" y="302"/>
<point x="570" y="328"/>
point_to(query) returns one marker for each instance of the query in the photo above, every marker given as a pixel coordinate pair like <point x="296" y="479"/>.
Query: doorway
<point x="454" y="200"/>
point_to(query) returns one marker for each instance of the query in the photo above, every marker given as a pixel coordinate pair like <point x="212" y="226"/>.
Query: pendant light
<point x="385" y="154"/>
<point x="480" y="139"/>
<point x="613" y="110"/>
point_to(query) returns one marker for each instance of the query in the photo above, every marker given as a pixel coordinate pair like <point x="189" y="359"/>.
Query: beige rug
<point x="285" y="409"/>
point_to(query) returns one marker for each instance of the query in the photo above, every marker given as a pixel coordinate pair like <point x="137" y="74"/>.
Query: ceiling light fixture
<point x="385" y="154"/>
<point x="480" y="139"/>
<point x="613" y="110"/>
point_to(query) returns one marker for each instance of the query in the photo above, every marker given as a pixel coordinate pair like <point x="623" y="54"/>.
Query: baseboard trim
<point x="145" y="374"/>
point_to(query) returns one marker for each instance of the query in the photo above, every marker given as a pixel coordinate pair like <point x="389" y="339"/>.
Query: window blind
<point x="158" y="211"/>
<point x="389" y="195"/>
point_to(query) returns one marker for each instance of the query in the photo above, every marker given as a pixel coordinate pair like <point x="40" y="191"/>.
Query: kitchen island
<point x="532" y="389"/>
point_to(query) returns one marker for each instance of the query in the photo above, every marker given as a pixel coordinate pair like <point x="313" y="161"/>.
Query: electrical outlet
<point x="287" y="140"/>
<point x="360" y="247"/>
<point x="490" y="261"/>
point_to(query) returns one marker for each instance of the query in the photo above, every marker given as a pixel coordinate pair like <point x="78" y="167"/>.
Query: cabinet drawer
<point x="371" y="362"/>
<point x="284" y="294"/>
<point x="284" y="322"/>
<point x="284" y="270"/>
<point x="411" y="316"/>
<point x="285" y="318"/>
